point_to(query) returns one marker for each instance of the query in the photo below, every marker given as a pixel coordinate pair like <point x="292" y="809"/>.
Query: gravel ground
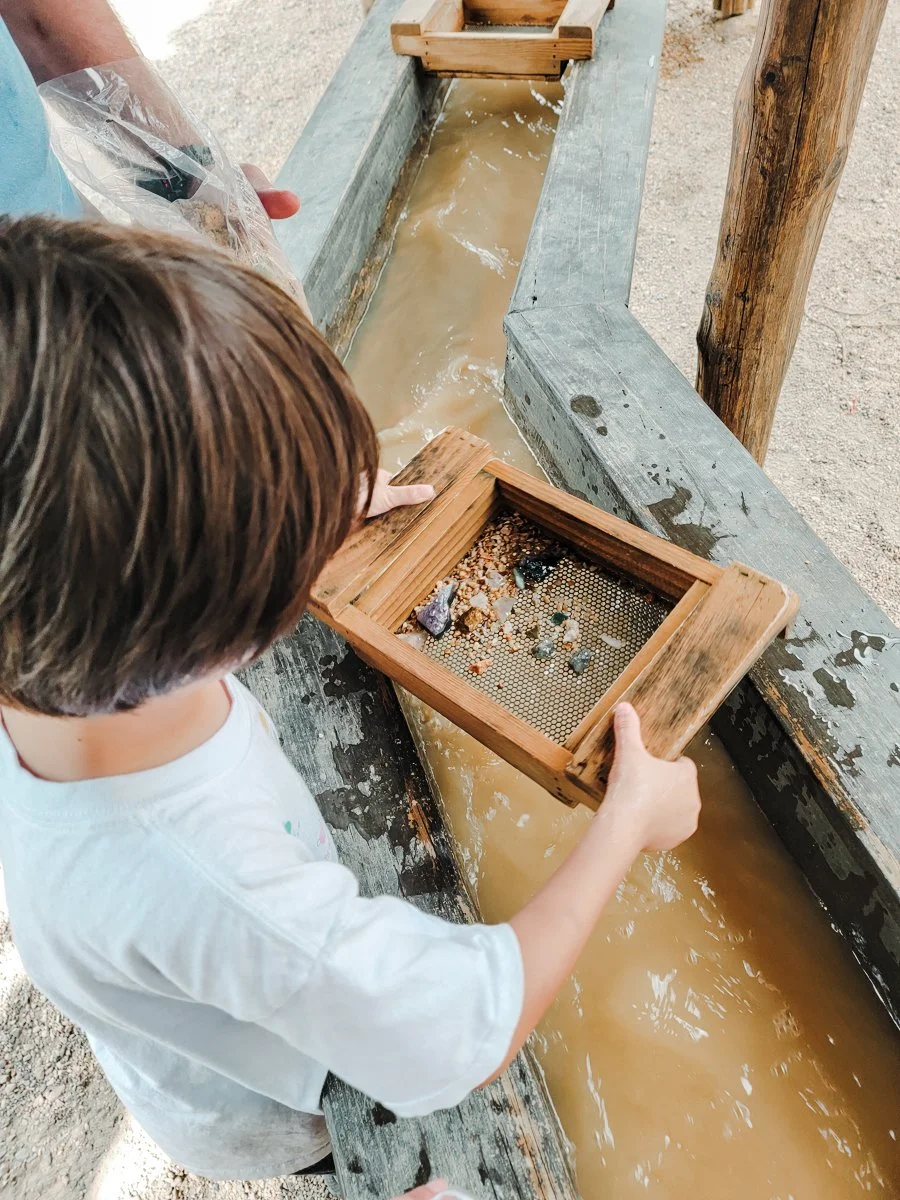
<point x="254" y="69"/>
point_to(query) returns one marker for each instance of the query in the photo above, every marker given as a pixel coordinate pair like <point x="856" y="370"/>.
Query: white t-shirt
<point x="194" y="921"/>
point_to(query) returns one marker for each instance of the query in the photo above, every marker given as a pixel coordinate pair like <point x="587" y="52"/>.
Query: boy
<point x="180" y="453"/>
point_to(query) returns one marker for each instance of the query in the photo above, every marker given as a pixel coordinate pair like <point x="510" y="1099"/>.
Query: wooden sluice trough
<point x="815" y="729"/>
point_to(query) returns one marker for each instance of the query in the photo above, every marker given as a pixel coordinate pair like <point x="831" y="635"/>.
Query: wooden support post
<point x="794" y="116"/>
<point x="732" y="8"/>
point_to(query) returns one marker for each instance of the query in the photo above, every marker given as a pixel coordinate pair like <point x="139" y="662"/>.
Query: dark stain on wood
<point x="836" y="690"/>
<point x="423" y="1174"/>
<point x="692" y="536"/>
<point x="585" y="406"/>
<point x="861" y="644"/>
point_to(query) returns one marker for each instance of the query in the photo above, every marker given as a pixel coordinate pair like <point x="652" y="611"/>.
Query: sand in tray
<point x="535" y="626"/>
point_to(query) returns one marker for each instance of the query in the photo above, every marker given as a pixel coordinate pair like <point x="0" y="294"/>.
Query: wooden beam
<point x="415" y="17"/>
<point x="794" y="117"/>
<point x="581" y="247"/>
<point x="514" y="12"/>
<point x="581" y="19"/>
<point x="362" y="157"/>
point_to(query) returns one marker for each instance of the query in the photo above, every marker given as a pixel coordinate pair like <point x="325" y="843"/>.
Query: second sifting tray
<point x="532" y="664"/>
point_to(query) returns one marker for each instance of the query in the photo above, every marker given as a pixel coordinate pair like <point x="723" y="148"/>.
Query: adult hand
<point x="385" y="496"/>
<point x="279" y="203"/>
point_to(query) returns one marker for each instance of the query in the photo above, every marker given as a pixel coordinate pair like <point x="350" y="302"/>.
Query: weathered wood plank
<point x="688" y="678"/>
<point x="341" y="727"/>
<point x="581" y="248"/>
<point x="612" y="419"/>
<point x="354" y="152"/>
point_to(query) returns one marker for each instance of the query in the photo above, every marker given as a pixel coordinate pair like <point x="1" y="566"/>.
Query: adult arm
<point x="57" y="37"/>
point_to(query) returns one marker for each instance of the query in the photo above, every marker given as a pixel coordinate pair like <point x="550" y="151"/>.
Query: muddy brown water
<point x="717" y="1039"/>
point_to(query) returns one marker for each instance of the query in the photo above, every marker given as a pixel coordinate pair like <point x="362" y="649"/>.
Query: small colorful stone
<point x="469" y="621"/>
<point x="503" y="607"/>
<point x="534" y="568"/>
<point x="543" y="650"/>
<point x="571" y="632"/>
<point x="580" y="661"/>
<point x="558" y="618"/>
<point x="615" y="642"/>
<point x="435" y="615"/>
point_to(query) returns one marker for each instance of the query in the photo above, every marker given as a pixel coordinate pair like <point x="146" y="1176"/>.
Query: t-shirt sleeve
<point x="408" y="1008"/>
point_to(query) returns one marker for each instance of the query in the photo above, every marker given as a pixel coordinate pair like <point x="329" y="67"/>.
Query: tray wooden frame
<point x="722" y="620"/>
<point x="459" y="38"/>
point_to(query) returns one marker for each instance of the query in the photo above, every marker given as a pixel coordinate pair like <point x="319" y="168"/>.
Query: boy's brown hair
<point x="180" y="453"/>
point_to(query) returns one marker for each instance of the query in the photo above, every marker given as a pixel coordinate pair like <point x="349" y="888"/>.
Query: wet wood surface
<point x="358" y="151"/>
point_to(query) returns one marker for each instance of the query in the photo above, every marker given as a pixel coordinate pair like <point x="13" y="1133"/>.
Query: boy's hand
<point x="385" y="496"/>
<point x="661" y="799"/>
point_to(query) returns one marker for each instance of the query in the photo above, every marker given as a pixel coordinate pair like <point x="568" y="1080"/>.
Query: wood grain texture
<point x="613" y="420"/>
<point x="448" y="462"/>
<point x="581" y="19"/>
<point x="794" y="117"/>
<point x="433" y="553"/>
<point x="514" y="12"/>
<point x="691" y="673"/>
<point x="361" y="156"/>
<point x="415" y="17"/>
<point x="341" y="728"/>
<point x="581" y="248"/>
<point x="604" y="538"/>
<point x="722" y="623"/>
<point x="493" y="54"/>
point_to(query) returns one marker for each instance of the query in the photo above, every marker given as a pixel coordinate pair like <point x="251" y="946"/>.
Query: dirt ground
<point x="254" y="69"/>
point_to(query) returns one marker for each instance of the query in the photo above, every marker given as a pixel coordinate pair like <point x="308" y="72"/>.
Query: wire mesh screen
<point x="578" y="608"/>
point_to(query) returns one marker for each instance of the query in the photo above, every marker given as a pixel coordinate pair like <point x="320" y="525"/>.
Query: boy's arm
<point x="649" y="805"/>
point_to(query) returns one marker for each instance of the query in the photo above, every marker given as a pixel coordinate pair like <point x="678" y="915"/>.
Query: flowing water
<point x="717" y="1040"/>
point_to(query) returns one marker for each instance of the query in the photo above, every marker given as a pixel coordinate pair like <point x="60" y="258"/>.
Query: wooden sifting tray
<point x="662" y="628"/>
<point x="497" y="39"/>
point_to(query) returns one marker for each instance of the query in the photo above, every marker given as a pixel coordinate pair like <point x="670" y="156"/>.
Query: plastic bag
<point x="137" y="157"/>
